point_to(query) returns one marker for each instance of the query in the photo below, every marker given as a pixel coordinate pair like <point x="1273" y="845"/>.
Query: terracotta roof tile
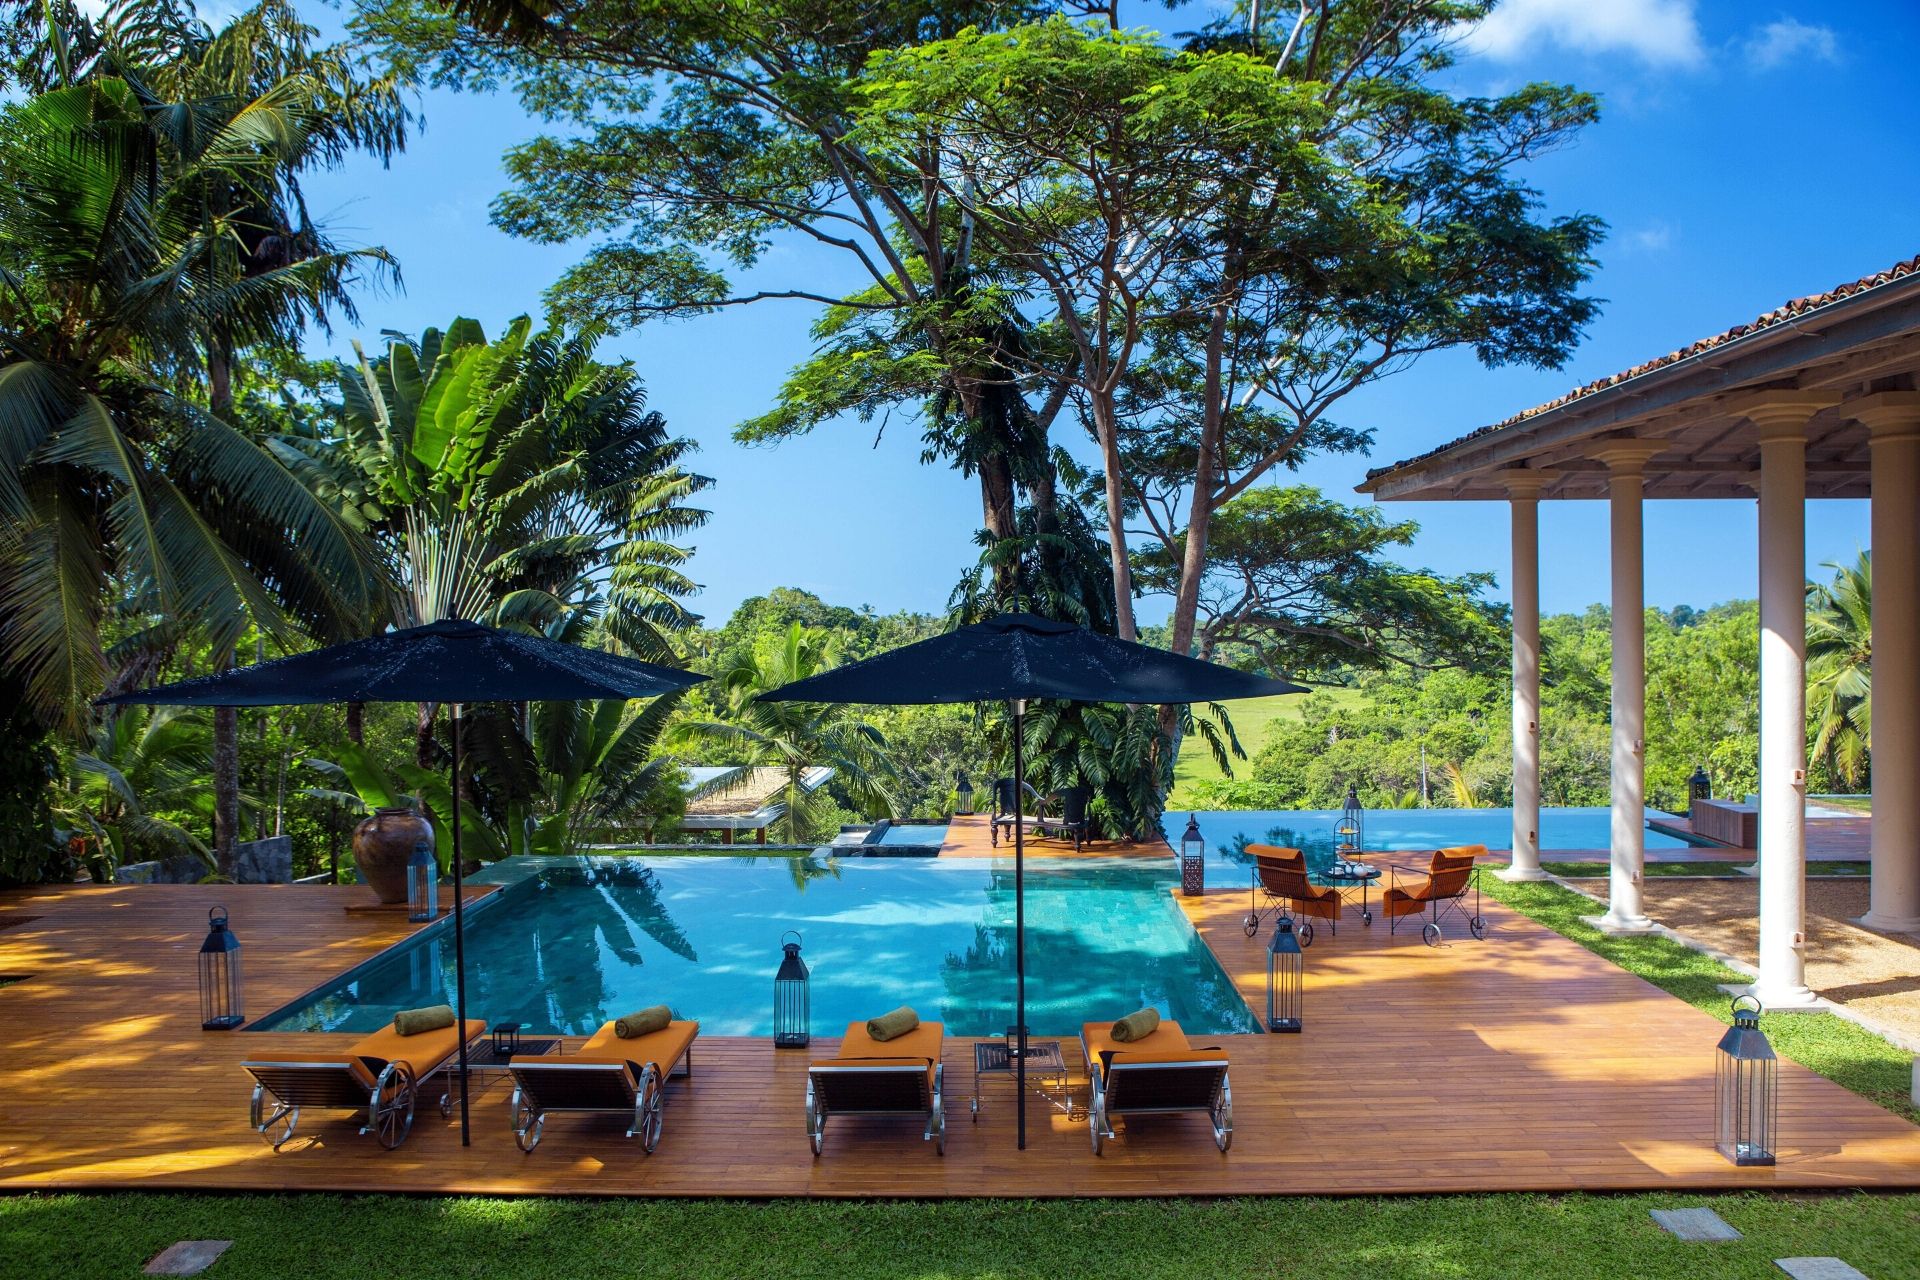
<point x="1791" y="310"/>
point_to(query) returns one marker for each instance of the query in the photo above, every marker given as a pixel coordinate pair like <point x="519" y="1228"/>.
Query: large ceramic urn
<point x="383" y="843"/>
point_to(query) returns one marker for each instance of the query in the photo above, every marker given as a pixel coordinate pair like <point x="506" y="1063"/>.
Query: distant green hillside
<point x="1250" y="721"/>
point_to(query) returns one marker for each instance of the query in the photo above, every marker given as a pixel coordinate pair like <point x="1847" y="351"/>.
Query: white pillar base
<point x="1889" y="923"/>
<point x="1517" y="874"/>
<point x="1622" y="926"/>
<point x="1785" y="1000"/>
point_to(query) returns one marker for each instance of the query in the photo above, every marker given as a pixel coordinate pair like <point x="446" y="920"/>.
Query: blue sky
<point x="1747" y="155"/>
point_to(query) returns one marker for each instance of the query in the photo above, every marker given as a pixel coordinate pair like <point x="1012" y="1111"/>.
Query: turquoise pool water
<point x="916" y="834"/>
<point x="1412" y="829"/>
<point x="572" y="943"/>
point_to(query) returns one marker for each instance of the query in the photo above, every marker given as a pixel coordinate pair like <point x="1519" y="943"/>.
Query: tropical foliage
<point x="1840" y="670"/>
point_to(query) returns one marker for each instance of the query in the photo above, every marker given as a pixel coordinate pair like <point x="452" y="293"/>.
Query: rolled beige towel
<point x="890" y="1025"/>
<point x="643" y="1023"/>
<point x="1136" y="1026"/>
<point x="411" y="1022"/>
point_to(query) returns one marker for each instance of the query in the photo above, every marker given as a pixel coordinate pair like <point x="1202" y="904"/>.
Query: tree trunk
<point x="226" y="720"/>
<point x="226" y="782"/>
<point x="423" y="734"/>
<point x="357" y="723"/>
<point x="1206" y="478"/>
<point x="1107" y="430"/>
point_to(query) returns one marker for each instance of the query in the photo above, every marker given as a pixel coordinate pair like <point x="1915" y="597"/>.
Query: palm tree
<point x="141" y="763"/>
<point x="795" y="737"/>
<point x="1840" y="669"/>
<point x="116" y="482"/>
<point x="518" y="482"/>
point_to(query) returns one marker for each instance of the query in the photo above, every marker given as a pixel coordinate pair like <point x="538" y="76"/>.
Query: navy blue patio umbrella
<point x="1014" y="658"/>
<point x="452" y="662"/>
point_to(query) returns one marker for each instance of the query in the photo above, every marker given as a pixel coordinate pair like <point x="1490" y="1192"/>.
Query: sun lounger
<point x="381" y="1073"/>
<point x="897" y="1077"/>
<point x="609" y="1075"/>
<point x="1070" y="823"/>
<point x="1159" y="1074"/>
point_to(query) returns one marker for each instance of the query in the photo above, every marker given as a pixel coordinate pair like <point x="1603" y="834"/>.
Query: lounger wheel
<point x="390" y="1112"/>
<point x="937" y="1130"/>
<point x="1251" y="924"/>
<point x="446" y="1104"/>
<point x="1478" y="927"/>
<point x="649" y="1115"/>
<point x="528" y="1123"/>
<point x="1305" y="929"/>
<point x="1430" y="934"/>
<point x="816" y="1123"/>
<point x="1366" y="917"/>
<point x="974" y="1106"/>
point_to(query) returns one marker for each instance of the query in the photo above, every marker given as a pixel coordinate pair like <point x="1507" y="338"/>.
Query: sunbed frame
<point x="1161" y="1088"/>
<point x="291" y="1085"/>
<point x="854" y="1089"/>
<point x="541" y="1087"/>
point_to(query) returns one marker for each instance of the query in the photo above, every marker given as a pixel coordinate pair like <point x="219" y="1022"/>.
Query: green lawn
<point x="1724" y="870"/>
<point x="1844" y="1053"/>
<point x="1250" y="721"/>
<point x="364" y="1238"/>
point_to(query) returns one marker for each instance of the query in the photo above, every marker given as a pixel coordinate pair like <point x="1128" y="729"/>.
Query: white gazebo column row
<point x="1523" y="489"/>
<point x="1626" y="461"/>
<point x="1781" y="421"/>
<point x="1892" y="419"/>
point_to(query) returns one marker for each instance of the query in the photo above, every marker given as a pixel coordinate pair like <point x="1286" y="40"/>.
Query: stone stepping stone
<point x="1819" y="1269"/>
<point x="1695" y="1224"/>
<point x="188" y="1258"/>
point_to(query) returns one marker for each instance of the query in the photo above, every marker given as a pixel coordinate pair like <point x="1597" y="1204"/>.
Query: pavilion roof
<point x="1863" y="335"/>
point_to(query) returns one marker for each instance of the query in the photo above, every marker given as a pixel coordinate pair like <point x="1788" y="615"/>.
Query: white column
<point x="1782" y="424"/>
<point x="1893" y="418"/>
<point x="1626" y="900"/>
<point x="1523" y="489"/>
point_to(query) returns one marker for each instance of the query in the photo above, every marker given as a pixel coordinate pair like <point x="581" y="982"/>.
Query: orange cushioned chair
<point x="609" y="1075"/>
<point x="1280" y="878"/>
<point x="1158" y="1074"/>
<point x="897" y="1077"/>
<point x="1440" y="889"/>
<point x="382" y="1072"/>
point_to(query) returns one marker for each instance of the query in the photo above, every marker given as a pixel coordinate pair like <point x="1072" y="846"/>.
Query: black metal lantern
<point x="790" y="996"/>
<point x="221" y="1008"/>
<point x="1193" y="859"/>
<point x="1286" y="981"/>
<point x="1746" y="1089"/>
<point x="506" y="1040"/>
<point x="423" y="883"/>
<point x="1699" y="787"/>
<point x="1350" y="833"/>
<point x="963" y="796"/>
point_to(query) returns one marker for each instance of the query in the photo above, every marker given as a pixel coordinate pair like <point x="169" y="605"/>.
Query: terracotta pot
<point x="382" y="845"/>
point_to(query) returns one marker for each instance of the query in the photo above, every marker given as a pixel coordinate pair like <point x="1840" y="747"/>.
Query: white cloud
<point x="1789" y="40"/>
<point x="1656" y="238"/>
<point x="1658" y="32"/>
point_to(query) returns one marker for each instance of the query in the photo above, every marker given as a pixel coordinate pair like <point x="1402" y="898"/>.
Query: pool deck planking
<point x="1523" y="1062"/>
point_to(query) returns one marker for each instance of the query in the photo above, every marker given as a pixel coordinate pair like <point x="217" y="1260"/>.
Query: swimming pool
<point x="917" y="834"/>
<point x="1417" y="829"/>
<point x="571" y="943"/>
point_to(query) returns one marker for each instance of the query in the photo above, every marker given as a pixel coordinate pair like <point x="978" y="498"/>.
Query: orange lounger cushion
<point x="1166" y="1038"/>
<point x="423" y="1053"/>
<point x="924" y="1042"/>
<point x="664" y="1047"/>
<point x="1160" y="1059"/>
<point x="578" y="1060"/>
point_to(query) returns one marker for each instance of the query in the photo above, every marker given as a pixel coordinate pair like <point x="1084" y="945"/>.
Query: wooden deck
<point x="1524" y="1062"/>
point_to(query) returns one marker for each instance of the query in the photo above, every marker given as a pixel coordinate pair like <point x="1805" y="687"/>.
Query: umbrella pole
<point x="459" y="939"/>
<point x="1020" y="921"/>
